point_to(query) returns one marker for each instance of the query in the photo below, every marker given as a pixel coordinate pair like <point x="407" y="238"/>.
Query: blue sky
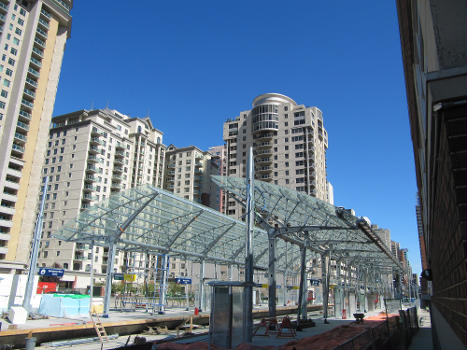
<point x="191" y="65"/>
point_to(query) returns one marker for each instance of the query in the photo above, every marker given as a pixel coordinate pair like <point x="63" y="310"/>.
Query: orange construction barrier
<point x="286" y="329"/>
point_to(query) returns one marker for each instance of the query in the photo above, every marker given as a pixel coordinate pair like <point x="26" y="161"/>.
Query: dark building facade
<point x="433" y="39"/>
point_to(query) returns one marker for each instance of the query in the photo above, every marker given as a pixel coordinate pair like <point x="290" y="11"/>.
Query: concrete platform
<point x="122" y="323"/>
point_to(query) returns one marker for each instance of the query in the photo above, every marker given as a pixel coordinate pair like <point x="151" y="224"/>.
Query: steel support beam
<point x="272" y="277"/>
<point x="202" y="266"/>
<point x="250" y="217"/>
<point x="108" y="277"/>
<point x="301" y="309"/>
<point x="325" y="278"/>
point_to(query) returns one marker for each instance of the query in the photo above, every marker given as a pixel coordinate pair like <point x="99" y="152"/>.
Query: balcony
<point x="87" y="197"/>
<point x="3" y="6"/>
<point x="22" y="126"/>
<point x="44" y="23"/>
<point x="39" y="42"/>
<point x="90" y="178"/>
<point x="117" y="169"/>
<point x="118" y="161"/>
<point x="115" y="186"/>
<point x="31" y="82"/>
<point x="27" y="104"/>
<point x="6" y="223"/>
<point x="17" y="148"/>
<point x="119" y="146"/>
<point x="263" y="160"/>
<point x="116" y="177"/>
<point x="91" y="169"/>
<point x="260" y="152"/>
<point x="36" y="62"/>
<point x="264" y="136"/>
<point x="30" y="93"/>
<point x="89" y="188"/>
<point x="171" y="165"/>
<point x="20" y="138"/>
<point x="95" y="141"/>
<point x="45" y="13"/>
<point x="34" y="72"/>
<point x="119" y="154"/>
<point x="92" y="158"/>
<point x="264" y="169"/>
<point x="94" y="150"/>
<point x="42" y="33"/>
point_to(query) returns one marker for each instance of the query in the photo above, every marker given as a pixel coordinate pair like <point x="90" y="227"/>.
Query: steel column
<point x="163" y="283"/>
<point x="250" y="217"/>
<point x="325" y="280"/>
<point x="202" y="267"/>
<point x="108" y="278"/>
<point x="272" y="276"/>
<point x="91" y="281"/>
<point x="301" y="309"/>
<point x="35" y="251"/>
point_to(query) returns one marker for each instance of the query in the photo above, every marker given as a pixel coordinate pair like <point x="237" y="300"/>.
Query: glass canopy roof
<point x="320" y="226"/>
<point x="149" y="219"/>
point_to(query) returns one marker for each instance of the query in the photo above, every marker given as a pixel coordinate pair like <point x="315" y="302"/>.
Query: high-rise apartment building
<point x="289" y="142"/>
<point x="91" y="155"/>
<point x="188" y="174"/>
<point x="220" y="154"/>
<point x="32" y="42"/>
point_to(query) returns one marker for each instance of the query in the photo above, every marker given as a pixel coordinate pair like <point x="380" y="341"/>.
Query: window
<point x="13" y="51"/>
<point x="15" y="41"/>
<point x="2" y="105"/>
<point x="18" y="31"/>
<point x="4" y="93"/>
<point x="9" y="72"/>
<point x="6" y="82"/>
<point x="20" y="21"/>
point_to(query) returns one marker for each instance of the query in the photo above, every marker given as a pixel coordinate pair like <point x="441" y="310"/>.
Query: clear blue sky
<point x="191" y="65"/>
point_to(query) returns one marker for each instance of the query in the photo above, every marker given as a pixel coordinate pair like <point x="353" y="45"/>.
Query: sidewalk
<point x="422" y="340"/>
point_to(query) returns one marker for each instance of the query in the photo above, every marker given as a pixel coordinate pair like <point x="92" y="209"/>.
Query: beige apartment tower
<point x="32" y="42"/>
<point x="90" y="156"/>
<point x="289" y="142"/>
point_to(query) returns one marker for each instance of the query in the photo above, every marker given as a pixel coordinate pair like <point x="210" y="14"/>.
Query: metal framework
<point x="317" y="226"/>
<point x="154" y="221"/>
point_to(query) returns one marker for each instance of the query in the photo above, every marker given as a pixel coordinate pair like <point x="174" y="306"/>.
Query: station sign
<point x="129" y="277"/>
<point x="182" y="280"/>
<point x="48" y="271"/>
<point x="315" y="281"/>
<point x="118" y="276"/>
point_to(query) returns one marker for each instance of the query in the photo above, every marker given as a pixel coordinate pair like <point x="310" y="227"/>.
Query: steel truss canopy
<point x="308" y="221"/>
<point x="151" y="220"/>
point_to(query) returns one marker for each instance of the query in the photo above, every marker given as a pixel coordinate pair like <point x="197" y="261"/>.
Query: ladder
<point x="100" y="330"/>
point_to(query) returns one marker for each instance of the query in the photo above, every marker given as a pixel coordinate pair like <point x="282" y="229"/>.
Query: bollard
<point x="344" y="314"/>
<point x="196" y="311"/>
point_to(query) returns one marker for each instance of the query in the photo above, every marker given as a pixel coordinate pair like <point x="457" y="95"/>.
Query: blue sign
<point x="315" y="282"/>
<point x="47" y="271"/>
<point x="182" y="280"/>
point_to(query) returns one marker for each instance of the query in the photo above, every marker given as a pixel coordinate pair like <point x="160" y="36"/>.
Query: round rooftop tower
<point x="265" y="111"/>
